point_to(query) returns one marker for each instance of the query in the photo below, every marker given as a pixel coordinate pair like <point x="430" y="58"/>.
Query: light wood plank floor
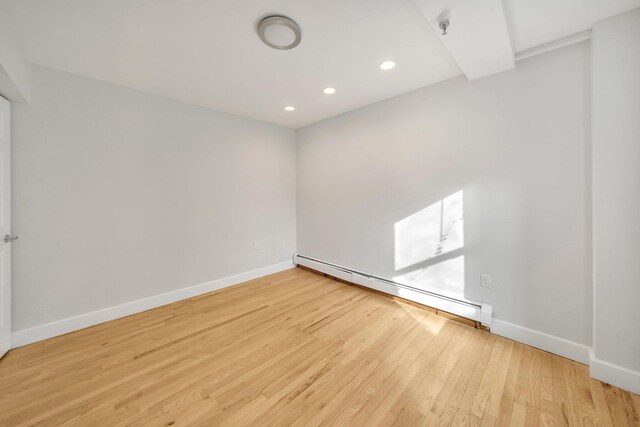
<point x="296" y="348"/>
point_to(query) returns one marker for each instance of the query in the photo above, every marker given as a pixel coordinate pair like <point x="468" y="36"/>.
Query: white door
<point x="5" y="227"/>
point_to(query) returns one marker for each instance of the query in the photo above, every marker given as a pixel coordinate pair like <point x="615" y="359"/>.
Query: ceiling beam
<point x="477" y="36"/>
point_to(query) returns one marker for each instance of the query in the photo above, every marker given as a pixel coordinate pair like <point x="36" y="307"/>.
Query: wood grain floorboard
<point x="298" y="349"/>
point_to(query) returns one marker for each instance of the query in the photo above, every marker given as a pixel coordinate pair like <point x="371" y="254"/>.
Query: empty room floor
<point x="296" y="348"/>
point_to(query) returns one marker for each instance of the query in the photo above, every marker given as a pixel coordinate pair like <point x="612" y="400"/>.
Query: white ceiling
<point x="535" y="22"/>
<point x="207" y="52"/>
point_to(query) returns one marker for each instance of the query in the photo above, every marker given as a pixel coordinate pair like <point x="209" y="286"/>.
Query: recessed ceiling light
<point x="289" y="108"/>
<point x="279" y="32"/>
<point x="329" y="90"/>
<point x="387" y="65"/>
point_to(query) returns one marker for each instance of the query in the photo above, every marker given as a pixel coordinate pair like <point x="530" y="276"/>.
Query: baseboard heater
<point x="476" y="311"/>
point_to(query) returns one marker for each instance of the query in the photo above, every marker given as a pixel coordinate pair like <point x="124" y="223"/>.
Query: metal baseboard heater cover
<point x="479" y="312"/>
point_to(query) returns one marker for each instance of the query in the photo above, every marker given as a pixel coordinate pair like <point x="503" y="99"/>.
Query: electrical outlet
<point x="256" y="246"/>
<point x="485" y="280"/>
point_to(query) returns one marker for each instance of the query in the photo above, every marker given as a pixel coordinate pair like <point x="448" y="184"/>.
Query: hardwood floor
<point x="296" y="348"/>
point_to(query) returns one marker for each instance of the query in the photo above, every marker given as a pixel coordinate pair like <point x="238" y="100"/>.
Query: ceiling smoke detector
<point x="279" y="32"/>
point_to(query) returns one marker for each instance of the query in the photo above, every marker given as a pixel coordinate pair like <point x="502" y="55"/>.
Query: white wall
<point x="120" y="195"/>
<point x="515" y="143"/>
<point x="14" y="69"/>
<point x="616" y="190"/>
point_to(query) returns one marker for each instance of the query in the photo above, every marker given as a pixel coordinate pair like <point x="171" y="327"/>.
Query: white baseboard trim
<point x="599" y="369"/>
<point x="615" y="375"/>
<point x="70" y="324"/>
<point x="552" y="344"/>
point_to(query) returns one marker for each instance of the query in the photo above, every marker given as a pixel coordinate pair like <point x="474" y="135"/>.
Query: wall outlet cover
<point x="485" y="280"/>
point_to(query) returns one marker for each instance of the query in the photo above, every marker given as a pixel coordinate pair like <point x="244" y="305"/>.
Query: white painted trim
<point x="553" y="45"/>
<point x="599" y="369"/>
<point x="615" y="375"/>
<point x="560" y="346"/>
<point x="70" y="324"/>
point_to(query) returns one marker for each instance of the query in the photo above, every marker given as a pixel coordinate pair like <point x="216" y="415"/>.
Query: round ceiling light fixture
<point x="279" y="32"/>
<point x="289" y="108"/>
<point x="329" y="90"/>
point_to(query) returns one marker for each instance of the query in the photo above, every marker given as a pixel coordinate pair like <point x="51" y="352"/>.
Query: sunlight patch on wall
<point x="429" y="233"/>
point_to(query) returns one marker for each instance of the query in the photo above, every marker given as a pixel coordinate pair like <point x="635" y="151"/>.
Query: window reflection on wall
<point x="428" y="246"/>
